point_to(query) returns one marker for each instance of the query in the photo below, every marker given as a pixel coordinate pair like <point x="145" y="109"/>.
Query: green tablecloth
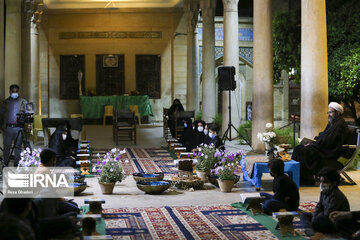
<point x="93" y="107"/>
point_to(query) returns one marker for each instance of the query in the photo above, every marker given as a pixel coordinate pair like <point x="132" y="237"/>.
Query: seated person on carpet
<point x="326" y="148"/>
<point x="331" y="199"/>
<point x="175" y="107"/>
<point x="347" y="223"/>
<point x="50" y="207"/>
<point x="286" y="194"/>
<point x="70" y="143"/>
<point x="64" y="153"/>
<point x="213" y="136"/>
<point x="187" y="138"/>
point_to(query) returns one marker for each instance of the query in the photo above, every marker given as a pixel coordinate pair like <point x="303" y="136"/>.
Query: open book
<point x="304" y="141"/>
<point x="247" y="197"/>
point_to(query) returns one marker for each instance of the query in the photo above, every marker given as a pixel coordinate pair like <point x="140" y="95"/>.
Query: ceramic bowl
<point x="154" y="187"/>
<point x="148" y="177"/>
<point x="213" y="179"/>
<point x="78" y="187"/>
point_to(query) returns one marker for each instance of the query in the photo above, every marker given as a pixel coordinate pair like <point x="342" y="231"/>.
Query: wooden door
<point x="110" y="74"/>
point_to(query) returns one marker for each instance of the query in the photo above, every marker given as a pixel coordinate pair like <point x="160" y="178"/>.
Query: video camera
<point x="26" y="117"/>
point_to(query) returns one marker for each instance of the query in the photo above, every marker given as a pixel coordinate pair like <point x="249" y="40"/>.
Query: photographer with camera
<point x="12" y="131"/>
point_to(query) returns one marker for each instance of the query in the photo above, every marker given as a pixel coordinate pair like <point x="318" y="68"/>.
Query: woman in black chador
<point x="64" y="152"/>
<point x="175" y="107"/>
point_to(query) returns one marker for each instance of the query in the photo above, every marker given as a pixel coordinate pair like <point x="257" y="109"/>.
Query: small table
<point x="292" y="168"/>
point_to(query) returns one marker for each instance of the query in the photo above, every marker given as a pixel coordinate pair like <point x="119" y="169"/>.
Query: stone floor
<point x="126" y="193"/>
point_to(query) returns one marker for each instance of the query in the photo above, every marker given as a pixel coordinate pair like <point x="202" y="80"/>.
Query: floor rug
<point x="202" y="222"/>
<point x="142" y="160"/>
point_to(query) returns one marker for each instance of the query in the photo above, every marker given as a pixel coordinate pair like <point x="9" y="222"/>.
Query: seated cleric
<point x="326" y="148"/>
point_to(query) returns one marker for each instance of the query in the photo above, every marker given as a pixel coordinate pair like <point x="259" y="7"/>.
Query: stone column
<point x="13" y="44"/>
<point x="208" y="60"/>
<point x="25" y="50"/>
<point x="314" y="69"/>
<point x="231" y="58"/>
<point x="3" y="93"/>
<point x="191" y="8"/>
<point x="263" y="100"/>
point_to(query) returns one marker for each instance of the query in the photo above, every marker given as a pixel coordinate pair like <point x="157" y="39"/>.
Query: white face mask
<point x="211" y="135"/>
<point x="206" y="131"/>
<point x="64" y="136"/>
<point x="193" y="127"/>
<point x="14" y="95"/>
<point x="200" y="129"/>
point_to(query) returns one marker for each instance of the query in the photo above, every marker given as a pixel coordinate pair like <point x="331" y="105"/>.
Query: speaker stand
<point x="230" y="125"/>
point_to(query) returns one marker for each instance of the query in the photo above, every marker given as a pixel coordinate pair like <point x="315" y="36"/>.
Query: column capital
<point x="230" y="5"/>
<point x="191" y="8"/>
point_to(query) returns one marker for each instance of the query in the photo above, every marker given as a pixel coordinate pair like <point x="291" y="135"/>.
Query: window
<point x="148" y="75"/>
<point x="72" y="75"/>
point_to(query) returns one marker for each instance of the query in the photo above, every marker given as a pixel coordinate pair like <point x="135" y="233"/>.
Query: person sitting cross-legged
<point x="326" y="148"/>
<point x="286" y="193"/>
<point x="331" y="199"/>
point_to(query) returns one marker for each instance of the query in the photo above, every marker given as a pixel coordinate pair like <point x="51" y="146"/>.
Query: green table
<point x="93" y="107"/>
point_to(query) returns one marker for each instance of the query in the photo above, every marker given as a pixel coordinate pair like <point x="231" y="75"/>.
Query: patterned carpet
<point x="143" y="160"/>
<point x="203" y="222"/>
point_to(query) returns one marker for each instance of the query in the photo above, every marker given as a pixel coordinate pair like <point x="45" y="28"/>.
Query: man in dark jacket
<point x="286" y="194"/>
<point x="331" y="199"/>
<point x="326" y="149"/>
<point x="9" y="109"/>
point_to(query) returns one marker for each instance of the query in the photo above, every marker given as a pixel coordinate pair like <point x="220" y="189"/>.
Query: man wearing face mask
<point x="331" y="200"/>
<point x="326" y="148"/>
<point x="8" y="110"/>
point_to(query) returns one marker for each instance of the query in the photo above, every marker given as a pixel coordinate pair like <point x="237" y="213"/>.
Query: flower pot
<point x="203" y="175"/>
<point x="226" y="185"/>
<point x="106" y="188"/>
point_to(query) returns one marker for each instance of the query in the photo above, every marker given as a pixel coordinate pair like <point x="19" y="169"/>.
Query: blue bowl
<point x="148" y="177"/>
<point x="78" y="187"/>
<point x="154" y="187"/>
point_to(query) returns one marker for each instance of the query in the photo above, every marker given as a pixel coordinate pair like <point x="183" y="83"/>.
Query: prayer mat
<point x="202" y="222"/>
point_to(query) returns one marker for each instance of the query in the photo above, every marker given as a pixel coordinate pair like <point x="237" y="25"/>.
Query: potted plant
<point x="110" y="170"/>
<point x="206" y="160"/>
<point x="268" y="138"/>
<point x="226" y="168"/>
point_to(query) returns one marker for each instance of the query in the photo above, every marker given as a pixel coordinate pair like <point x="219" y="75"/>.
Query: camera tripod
<point x="25" y="143"/>
<point x="230" y="125"/>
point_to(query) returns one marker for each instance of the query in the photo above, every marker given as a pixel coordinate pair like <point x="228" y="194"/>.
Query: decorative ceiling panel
<point x="113" y="4"/>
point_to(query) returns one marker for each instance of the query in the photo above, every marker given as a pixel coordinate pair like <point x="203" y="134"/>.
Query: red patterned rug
<point x="146" y="160"/>
<point x="202" y="222"/>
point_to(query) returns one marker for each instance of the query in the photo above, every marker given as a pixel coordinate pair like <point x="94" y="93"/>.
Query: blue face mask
<point x="185" y="125"/>
<point x="211" y="135"/>
<point x="14" y="95"/>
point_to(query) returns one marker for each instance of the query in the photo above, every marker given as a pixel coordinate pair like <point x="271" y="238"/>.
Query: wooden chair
<point x="37" y="127"/>
<point x="125" y="125"/>
<point x="354" y="130"/>
<point x="179" y="129"/>
<point x="108" y="112"/>
<point x="135" y="109"/>
<point x="166" y="129"/>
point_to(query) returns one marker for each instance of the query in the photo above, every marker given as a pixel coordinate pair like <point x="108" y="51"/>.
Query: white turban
<point x="337" y="107"/>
